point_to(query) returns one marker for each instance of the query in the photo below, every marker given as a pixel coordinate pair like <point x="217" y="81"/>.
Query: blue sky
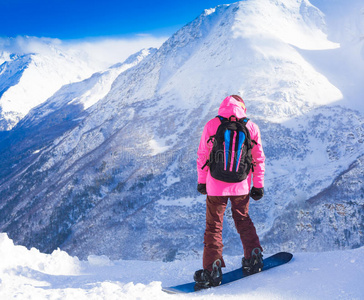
<point x="78" y="19"/>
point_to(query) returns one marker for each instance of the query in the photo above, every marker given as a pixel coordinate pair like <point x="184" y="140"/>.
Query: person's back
<point x="220" y="191"/>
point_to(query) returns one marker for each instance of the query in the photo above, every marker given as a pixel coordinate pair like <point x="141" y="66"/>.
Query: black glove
<point x="201" y="187"/>
<point x="257" y="193"/>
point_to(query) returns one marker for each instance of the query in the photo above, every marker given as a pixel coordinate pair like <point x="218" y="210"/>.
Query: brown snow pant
<point x="215" y="208"/>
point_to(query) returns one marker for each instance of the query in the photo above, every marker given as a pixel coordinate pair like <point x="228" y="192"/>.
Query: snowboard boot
<point x="254" y="264"/>
<point x="205" y="279"/>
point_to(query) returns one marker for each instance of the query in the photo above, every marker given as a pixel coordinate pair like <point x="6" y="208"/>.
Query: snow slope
<point x="112" y="178"/>
<point x="31" y="274"/>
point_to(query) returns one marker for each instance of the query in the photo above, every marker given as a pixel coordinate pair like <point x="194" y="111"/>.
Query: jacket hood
<point x="230" y="106"/>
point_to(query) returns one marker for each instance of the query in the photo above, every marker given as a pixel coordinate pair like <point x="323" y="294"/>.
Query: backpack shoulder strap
<point x="222" y="119"/>
<point x="244" y="120"/>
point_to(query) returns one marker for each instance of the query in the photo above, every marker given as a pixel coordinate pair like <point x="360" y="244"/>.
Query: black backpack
<point x="230" y="158"/>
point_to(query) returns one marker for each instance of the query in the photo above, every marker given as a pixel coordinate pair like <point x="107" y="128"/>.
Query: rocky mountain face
<point x="332" y="219"/>
<point x="107" y="165"/>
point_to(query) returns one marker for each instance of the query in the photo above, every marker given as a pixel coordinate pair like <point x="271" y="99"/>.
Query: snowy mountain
<point x="27" y="80"/>
<point x="83" y="93"/>
<point x="64" y="110"/>
<point x="33" y="275"/>
<point x="116" y="176"/>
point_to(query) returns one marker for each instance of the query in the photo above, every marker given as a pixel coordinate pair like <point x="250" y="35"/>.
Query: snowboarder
<point x="213" y="162"/>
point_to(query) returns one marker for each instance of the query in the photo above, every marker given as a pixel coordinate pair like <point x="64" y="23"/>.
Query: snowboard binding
<point x="254" y="264"/>
<point x="273" y="261"/>
<point x="205" y="279"/>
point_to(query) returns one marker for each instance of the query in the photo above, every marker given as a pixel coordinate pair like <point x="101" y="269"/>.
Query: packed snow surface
<point x="29" y="274"/>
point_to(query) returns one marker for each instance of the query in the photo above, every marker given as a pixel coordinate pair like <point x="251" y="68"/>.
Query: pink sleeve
<point x="258" y="158"/>
<point x="203" y="154"/>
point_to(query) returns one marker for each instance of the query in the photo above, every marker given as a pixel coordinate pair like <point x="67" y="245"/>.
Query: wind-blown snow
<point x="343" y="66"/>
<point x="29" y="274"/>
<point x="297" y="23"/>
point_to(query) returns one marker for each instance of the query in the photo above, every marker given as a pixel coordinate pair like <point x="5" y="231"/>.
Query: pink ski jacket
<point x="214" y="187"/>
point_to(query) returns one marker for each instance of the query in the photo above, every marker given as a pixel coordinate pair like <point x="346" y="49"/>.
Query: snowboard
<point x="270" y="262"/>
